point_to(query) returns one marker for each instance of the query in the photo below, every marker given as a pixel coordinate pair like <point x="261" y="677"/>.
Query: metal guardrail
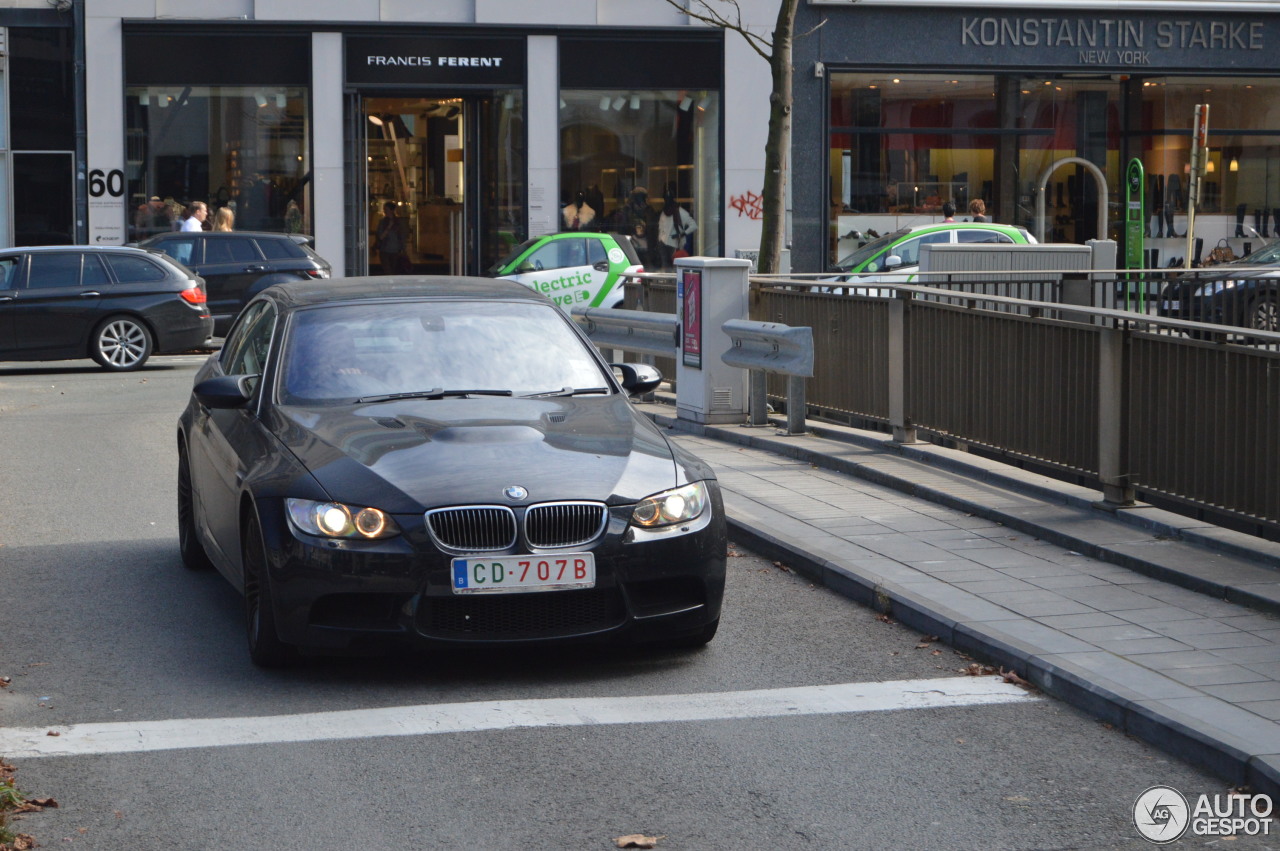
<point x="768" y="347"/>
<point x="632" y="330"/>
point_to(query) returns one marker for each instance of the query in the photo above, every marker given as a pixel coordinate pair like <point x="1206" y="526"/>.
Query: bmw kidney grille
<point x="564" y="524"/>
<point x="482" y="528"/>
<point x="473" y="528"/>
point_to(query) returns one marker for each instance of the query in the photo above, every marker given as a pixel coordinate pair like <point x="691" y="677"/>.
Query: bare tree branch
<point x="712" y="16"/>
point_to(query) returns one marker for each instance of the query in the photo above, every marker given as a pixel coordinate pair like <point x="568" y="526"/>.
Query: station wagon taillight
<point x="317" y="273"/>
<point x="194" y="295"/>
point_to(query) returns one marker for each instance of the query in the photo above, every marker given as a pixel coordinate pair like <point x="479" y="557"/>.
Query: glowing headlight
<point x="678" y="505"/>
<point x="335" y="520"/>
<point x="1214" y="287"/>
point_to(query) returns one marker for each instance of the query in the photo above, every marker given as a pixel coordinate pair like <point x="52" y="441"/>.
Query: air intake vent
<point x="564" y="524"/>
<point x="474" y="528"/>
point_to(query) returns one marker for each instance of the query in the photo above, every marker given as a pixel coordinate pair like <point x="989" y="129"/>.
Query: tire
<point x="121" y="343"/>
<point x="1264" y="314"/>
<point x="265" y="647"/>
<point x="194" y="556"/>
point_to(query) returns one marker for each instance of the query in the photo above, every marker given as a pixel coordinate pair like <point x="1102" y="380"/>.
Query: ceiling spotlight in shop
<point x="162" y="100"/>
<point x="260" y="98"/>
<point x="376" y="120"/>
<point x="605" y="102"/>
<point x="281" y="99"/>
<point x="702" y="103"/>
<point x="685" y="103"/>
<point x="1234" y="165"/>
<point x="508" y="100"/>
<point x="619" y="102"/>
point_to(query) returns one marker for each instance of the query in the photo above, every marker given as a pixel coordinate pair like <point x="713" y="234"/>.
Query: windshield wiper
<point x="435" y="393"/>
<point x="567" y="391"/>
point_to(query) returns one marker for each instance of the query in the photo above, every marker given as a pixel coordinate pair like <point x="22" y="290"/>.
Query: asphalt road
<point x="99" y="623"/>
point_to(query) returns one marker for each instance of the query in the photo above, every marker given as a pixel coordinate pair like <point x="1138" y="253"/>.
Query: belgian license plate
<point x="517" y="574"/>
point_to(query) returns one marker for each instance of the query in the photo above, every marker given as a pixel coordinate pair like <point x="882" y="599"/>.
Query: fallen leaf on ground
<point x="53" y="733"/>
<point x="4" y="681"/>
<point x="885" y="619"/>
<point x="637" y="840"/>
<point x="1012" y="677"/>
<point x="782" y="567"/>
<point x="975" y="670"/>
<point x="24" y="842"/>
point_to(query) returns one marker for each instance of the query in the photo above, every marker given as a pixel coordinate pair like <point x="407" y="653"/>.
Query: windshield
<point x="496" y="268"/>
<point x="866" y="252"/>
<point x="339" y="353"/>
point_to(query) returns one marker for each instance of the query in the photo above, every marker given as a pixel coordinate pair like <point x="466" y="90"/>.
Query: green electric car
<point x="575" y="268"/>
<point x="899" y="252"/>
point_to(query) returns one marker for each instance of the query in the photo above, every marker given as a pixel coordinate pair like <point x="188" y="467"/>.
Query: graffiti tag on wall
<point x="748" y="204"/>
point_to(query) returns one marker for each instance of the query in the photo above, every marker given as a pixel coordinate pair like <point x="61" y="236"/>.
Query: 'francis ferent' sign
<point x="434" y="61"/>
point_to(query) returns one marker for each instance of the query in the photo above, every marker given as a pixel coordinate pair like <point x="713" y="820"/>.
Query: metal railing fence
<point x="1176" y="409"/>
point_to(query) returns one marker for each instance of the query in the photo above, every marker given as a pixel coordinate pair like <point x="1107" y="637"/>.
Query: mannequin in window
<point x="578" y="215"/>
<point x="675" y="228"/>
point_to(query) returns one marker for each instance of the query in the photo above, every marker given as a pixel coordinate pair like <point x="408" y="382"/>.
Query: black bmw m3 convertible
<point x="444" y="461"/>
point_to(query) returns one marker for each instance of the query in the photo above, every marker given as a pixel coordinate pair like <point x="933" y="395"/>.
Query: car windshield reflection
<point x="376" y="352"/>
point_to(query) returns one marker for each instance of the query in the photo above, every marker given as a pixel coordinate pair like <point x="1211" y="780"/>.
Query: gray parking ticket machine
<point x="709" y="291"/>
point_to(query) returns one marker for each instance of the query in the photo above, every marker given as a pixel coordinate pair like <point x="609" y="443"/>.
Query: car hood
<point x="409" y="455"/>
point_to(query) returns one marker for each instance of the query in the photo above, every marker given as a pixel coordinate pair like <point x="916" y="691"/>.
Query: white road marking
<point x="138" y="736"/>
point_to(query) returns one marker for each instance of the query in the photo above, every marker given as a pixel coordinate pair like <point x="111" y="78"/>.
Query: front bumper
<point x="353" y="595"/>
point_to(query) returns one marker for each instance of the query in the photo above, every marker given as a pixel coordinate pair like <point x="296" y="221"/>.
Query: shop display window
<point x="901" y="146"/>
<point x="245" y="148"/>
<point x="645" y="163"/>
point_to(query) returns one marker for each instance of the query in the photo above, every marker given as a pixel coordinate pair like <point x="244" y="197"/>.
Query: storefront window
<point x="42" y="143"/>
<point x="245" y="148"/>
<point x="902" y="146"/>
<point x="645" y="163"/>
<point x="1240" y="192"/>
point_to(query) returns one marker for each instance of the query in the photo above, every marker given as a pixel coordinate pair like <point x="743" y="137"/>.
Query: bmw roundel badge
<point x="515" y="492"/>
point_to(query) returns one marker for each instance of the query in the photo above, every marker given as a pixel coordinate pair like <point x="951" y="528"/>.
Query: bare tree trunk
<point x="778" y="147"/>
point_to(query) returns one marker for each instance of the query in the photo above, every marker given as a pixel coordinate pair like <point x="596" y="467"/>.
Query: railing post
<point x="795" y="405"/>
<point x="1113" y="462"/>
<point x="758" y="403"/>
<point x="903" y="430"/>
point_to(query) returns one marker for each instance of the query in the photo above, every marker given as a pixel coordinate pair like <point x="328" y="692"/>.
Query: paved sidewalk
<point x="1096" y="608"/>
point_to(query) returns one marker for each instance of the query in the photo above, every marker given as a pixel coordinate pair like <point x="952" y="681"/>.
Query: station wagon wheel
<point x="194" y="556"/>
<point x="121" y="343"/>
<point x="265" y="647"/>
<point x="1264" y="314"/>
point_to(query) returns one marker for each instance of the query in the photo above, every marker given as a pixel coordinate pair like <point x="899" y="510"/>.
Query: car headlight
<point x="336" y="520"/>
<point x="1213" y="288"/>
<point x="678" y="505"/>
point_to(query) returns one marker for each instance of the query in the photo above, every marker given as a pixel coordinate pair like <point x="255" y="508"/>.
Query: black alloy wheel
<point x="1264" y="314"/>
<point x="121" y="343"/>
<point x="265" y="647"/>
<point x="193" y="553"/>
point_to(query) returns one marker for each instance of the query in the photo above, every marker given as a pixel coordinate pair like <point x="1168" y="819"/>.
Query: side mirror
<point x="225" y="391"/>
<point x="637" y="378"/>
<point x="893" y="261"/>
<point x="525" y="267"/>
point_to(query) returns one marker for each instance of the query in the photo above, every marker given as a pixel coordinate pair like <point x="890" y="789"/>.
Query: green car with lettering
<point x="575" y="268"/>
